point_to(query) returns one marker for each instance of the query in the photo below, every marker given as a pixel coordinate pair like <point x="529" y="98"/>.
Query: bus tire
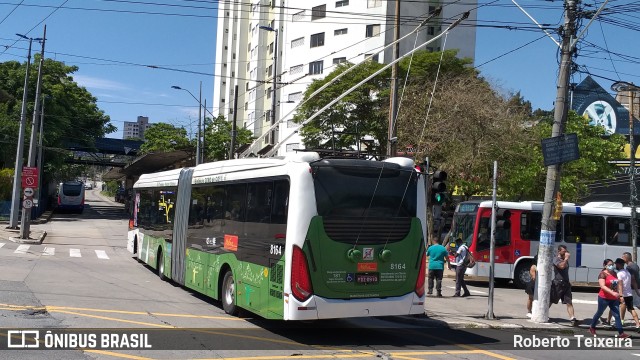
<point x="160" y="265"/>
<point x="521" y="276"/>
<point x="229" y="294"/>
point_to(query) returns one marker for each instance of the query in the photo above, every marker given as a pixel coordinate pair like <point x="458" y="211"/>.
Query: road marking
<point x="75" y="253"/>
<point x="1" y="245"/>
<point x="473" y="291"/>
<point x="49" y="251"/>
<point x="115" y="354"/>
<point x="22" y="249"/>
<point x="590" y="302"/>
<point x="102" y="254"/>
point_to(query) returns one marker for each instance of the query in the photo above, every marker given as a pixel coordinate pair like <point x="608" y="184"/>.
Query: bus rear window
<point x="365" y="191"/>
<point x="72" y="189"/>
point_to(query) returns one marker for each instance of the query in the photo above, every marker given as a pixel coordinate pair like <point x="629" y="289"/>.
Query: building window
<point x="315" y="67"/>
<point x="246" y="86"/>
<point x="342" y="3"/>
<point x="248" y="66"/>
<point x="375" y="57"/>
<point x="246" y="106"/>
<point x="318" y="12"/>
<point x="297" y="42"/>
<point x="291" y="147"/>
<point x="374" y="3"/>
<point x="432" y="9"/>
<point x="339" y="60"/>
<point x="431" y="30"/>
<point x="340" y="32"/>
<point x="296" y="69"/>
<point x="298" y="16"/>
<point x="222" y="100"/>
<point x="234" y="56"/>
<point x="272" y="24"/>
<point x="317" y="40"/>
<point x="250" y="27"/>
<point x="270" y="48"/>
<point x="249" y="47"/>
<point x="269" y="70"/>
<point x="268" y="92"/>
<point x="291" y="124"/>
<point x="373" y="30"/>
<point x="295" y="96"/>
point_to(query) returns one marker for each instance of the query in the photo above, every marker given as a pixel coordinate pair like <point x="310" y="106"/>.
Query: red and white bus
<point x="591" y="233"/>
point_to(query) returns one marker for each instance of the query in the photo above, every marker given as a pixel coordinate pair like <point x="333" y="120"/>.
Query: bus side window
<point x="280" y="202"/>
<point x="618" y="231"/>
<point x="584" y="229"/>
<point x="530" y="225"/>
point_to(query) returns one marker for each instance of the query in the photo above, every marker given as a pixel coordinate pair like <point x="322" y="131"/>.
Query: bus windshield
<point x="72" y="188"/>
<point x="379" y="190"/>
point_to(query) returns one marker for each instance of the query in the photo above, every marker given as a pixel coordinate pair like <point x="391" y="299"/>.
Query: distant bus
<point x="71" y="196"/>
<point x="295" y="238"/>
<point x="591" y="233"/>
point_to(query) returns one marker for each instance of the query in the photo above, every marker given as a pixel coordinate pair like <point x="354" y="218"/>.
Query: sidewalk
<point x="37" y="231"/>
<point x="509" y="308"/>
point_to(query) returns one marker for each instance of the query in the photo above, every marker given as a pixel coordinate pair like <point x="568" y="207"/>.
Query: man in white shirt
<point x="626" y="298"/>
<point x="461" y="267"/>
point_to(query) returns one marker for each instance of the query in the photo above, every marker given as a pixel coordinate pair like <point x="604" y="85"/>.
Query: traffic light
<point x="438" y="187"/>
<point x="502" y="219"/>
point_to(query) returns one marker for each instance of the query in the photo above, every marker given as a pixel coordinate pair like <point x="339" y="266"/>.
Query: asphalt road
<point x="82" y="282"/>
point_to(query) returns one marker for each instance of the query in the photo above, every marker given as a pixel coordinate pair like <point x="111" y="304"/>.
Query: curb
<point x="31" y="241"/>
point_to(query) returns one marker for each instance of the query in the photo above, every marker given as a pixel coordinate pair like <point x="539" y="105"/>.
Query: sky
<point x="113" y="42"/>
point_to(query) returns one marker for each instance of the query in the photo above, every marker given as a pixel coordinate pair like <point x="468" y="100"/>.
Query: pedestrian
<point x="561" y="287"/>
<point x="609" y="296"/>
<point x="437" y="256"/>
<point x="634" y="271"/>
<point x="461" y="267"/>
<point x="529" y="287"/>
<point x="626" y="301"/>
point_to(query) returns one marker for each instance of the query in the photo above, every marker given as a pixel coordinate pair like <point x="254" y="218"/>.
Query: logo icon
<point x="367" y="254"/>
<point x="23" y="339"/>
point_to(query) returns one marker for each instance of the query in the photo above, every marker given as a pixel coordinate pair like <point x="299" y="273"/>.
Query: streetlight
<point x="17" y="176"/>
<point x="199" y="118"/>
<point x="273" y="88"/>
<point x="619" y="86"/>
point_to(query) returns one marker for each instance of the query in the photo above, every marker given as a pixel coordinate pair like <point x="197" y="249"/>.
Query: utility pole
<point x="199" y="126"/>
<point x="40" y="166"/>
<point x="26" y="212"/>
<point x="393" y="105"/>
<point x="17" y="175"/>
<point x="632" y="185"/>
<point x="204" y="132"/>
<point x="492" y="248"/>
<point x="549" y="215"/>
<point x="234" y="131"/>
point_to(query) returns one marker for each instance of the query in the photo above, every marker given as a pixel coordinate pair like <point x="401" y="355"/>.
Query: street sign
<point x="28" y="192"/>
<point x="27" y="203"/>
<point x="560" y="149"/>
<point x="29" y="177"/>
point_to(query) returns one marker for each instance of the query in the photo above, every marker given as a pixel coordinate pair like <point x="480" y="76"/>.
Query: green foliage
<point x="526" y="181"/>
<point x="218" y="138"/>
<point x="71" y="114"/>
<point x="165" y="137"/>
<point x="6" y="184"/>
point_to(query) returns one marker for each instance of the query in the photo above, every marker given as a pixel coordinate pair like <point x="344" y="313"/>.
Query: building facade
<point x="135" y="129"/>
<point x="313" y="36"/>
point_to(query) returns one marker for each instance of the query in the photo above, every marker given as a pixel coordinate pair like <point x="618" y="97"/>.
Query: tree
<point x="526" y="181"/>
<point x="218" y="138"/>
<point x="71" y="115"/>
<point x="165" y="137"/>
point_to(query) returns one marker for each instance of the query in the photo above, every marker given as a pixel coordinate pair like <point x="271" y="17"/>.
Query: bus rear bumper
<point x="321" y="308"/>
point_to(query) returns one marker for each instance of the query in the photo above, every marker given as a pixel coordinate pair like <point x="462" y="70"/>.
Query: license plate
<point x="367" y="278"/>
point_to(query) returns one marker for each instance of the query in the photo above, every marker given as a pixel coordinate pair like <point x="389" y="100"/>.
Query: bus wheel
<point x="229" y="294"/>
<point x="522" y="276"/>
<point x="160" y="264"/>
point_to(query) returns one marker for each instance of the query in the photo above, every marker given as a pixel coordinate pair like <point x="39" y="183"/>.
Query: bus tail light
<point x="300" y="277"/>
<point x="131" y="225"/>
<point x="421" y="276"/>
<point x="59" y="200"/>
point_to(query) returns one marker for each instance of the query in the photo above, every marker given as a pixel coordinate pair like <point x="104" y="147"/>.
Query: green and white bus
<point x="293" y="238"/>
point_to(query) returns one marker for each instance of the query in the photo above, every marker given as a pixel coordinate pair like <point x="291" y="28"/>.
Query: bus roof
<point x="163" y="178"/>
<point x="602" y="207"/>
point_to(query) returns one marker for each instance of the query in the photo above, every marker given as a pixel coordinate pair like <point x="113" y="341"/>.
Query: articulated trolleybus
<point x="294" y="238"/>
<point x="591" y="233"/>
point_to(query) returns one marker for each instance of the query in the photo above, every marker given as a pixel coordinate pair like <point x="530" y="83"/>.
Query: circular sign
<point x="30" y="180"/>
<point x="28" y="192"/>
<point x="27" y="203"/>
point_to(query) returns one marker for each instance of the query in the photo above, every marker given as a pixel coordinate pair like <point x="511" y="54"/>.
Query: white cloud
<point x="98" y="83"/>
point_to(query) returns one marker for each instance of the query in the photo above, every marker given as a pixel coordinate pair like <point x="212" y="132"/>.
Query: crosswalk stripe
<point x="1" y="245"/>
<point x="102" y="254"/>
<point x="22" y="249"/>
<point x="75" y="253"/>
<point x="49" y="251"/>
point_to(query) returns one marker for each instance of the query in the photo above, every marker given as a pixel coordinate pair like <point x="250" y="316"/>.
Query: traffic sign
<point x="27" y="203"/>
<point x="560" y="149"/>
<point x="28" y="192"/>
<point x="29" y="177"/>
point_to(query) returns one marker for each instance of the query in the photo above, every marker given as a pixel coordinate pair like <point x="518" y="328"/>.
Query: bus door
<point x="584" y="238"/>
<point x="504" y="254"/>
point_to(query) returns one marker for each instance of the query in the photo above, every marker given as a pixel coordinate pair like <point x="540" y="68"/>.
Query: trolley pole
<point x="548" y="225"/>
<point x="234" y="130"/>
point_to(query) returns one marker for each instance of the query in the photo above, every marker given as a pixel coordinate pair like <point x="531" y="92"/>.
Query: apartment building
<point x="312" y="37"/>
<point x="135" y="129"/>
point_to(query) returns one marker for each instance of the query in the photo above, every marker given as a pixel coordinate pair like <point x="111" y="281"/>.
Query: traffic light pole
<point x="548" y="225"/>
<point x="429" y="203"/>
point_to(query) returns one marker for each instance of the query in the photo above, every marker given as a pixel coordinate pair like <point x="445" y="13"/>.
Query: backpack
<point x="469" y="261"/>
